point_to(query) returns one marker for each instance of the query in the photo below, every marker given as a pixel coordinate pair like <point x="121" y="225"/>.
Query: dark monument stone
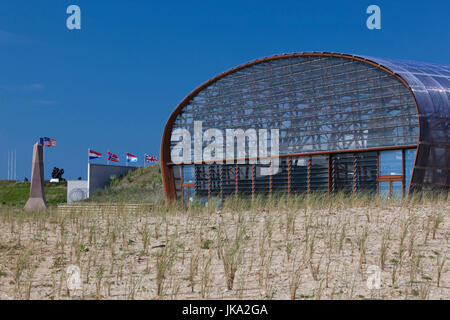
<point x="57" y="174"/>
<point x="37" y="202"/>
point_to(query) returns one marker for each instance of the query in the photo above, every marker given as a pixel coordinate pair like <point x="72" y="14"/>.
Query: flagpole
<point x="15" y="164"/>
<point x="43" y="153"/>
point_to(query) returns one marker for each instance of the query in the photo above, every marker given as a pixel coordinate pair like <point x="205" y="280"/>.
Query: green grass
<point x="143" y="185"/>
<point x="16" y="193"/>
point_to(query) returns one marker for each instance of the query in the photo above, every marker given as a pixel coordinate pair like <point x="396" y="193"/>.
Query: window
<point x="410" y="156"/>
<point x="188" y="174"/>
<point x="391" y="163"/>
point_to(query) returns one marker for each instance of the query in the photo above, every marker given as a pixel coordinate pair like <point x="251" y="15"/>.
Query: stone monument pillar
<point x="37" y="196"/>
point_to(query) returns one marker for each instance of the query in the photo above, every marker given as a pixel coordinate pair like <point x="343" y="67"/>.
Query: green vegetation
<point x="16" y="193"/>
<point x="143" y="185"/>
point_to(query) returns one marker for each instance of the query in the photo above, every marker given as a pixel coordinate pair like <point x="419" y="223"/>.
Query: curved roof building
<point x="343" y="122"/>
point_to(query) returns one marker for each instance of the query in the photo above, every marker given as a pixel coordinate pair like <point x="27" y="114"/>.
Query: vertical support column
<point x="331" y="175"/>
<point x="236" y="172"/>
<point x="355" y="178"/>
<point x="253" y="181"/>
<point x="403" y="174"/>
<point x="270" y="179"/>
<point x="308" y="170"/>
<point x="378" y="172"/>
<point x="390" y="189"/>
<point x="221" y="180"/>
<point x="289" y="175"/>
<point x="195" y="178"/>
<point x="181" y="175"/>
<point x="209" y="181"/>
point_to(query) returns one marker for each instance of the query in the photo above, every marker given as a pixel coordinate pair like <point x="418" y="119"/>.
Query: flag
<point x="150" y="158"/>
<point x="94" y="155"/>
<point x="131" y="158"/>
<point x="112" y="157"/>
<point x="48" y="142"/>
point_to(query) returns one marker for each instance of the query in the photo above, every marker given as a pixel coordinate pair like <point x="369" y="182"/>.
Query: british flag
<point x="150" y="158"/>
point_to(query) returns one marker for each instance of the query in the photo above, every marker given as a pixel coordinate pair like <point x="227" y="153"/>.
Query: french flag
<point x="131" y="158"/>
<point x="94" y="155"/>
<point x="112" y="157"/>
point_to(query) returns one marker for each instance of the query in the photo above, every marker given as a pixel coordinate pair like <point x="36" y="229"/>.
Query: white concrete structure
<point x="77" y="190"/>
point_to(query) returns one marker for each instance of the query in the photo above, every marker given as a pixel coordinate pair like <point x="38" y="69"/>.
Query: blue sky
<point x="113" y="84"/>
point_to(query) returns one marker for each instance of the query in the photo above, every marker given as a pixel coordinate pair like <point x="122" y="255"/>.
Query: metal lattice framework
<point x="323" y="104"/>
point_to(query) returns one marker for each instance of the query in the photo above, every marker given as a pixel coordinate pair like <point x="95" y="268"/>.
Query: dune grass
<point x="279" y="247"/>
<point x="143" y="185"/>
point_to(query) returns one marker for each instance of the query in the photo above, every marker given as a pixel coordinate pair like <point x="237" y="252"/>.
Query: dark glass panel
<point x="366" y="171"/>
<point x="299" y="174"/>
<point x="319" y="173"/>
<point x="342" y="172"/>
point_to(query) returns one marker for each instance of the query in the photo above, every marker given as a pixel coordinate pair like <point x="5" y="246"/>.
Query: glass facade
<point x="430" y="84"/>
<point x="317" y="103"/>
<point x="345" y="124"/>
<point x="410" y="155"/>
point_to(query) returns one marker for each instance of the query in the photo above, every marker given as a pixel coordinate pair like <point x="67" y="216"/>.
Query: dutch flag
<point x="131" y="158"/>
<point x="94" y="155"/>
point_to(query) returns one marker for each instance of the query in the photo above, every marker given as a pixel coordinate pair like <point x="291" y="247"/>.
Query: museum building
<point x="346" y="123"/>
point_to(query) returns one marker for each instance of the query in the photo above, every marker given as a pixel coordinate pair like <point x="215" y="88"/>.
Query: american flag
<point x="48" y="142"/>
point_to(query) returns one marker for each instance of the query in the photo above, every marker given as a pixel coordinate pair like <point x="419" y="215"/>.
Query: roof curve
<point x="430" y="84"/>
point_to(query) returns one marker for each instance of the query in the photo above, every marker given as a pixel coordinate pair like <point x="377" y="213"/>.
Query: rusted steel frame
<point x="378" y="171"/>
<point x="354" y="173"/>
<point x="236" y="171"/>
<point x="390" y="178"/>
<point x="289" y="175"/>
<point x="190" y="184"/>
<point x="390" y="189"/>
<point x="253" y="180"/>
<point x="308" y="170"/>
<point x="403" y="173"/>
<point x="270" y="180"/>
<point x="330" y="175"/>
<point x="209" y="182"/>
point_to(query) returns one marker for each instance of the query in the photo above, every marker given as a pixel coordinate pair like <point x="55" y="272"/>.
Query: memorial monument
<point x="37" y="202"/>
